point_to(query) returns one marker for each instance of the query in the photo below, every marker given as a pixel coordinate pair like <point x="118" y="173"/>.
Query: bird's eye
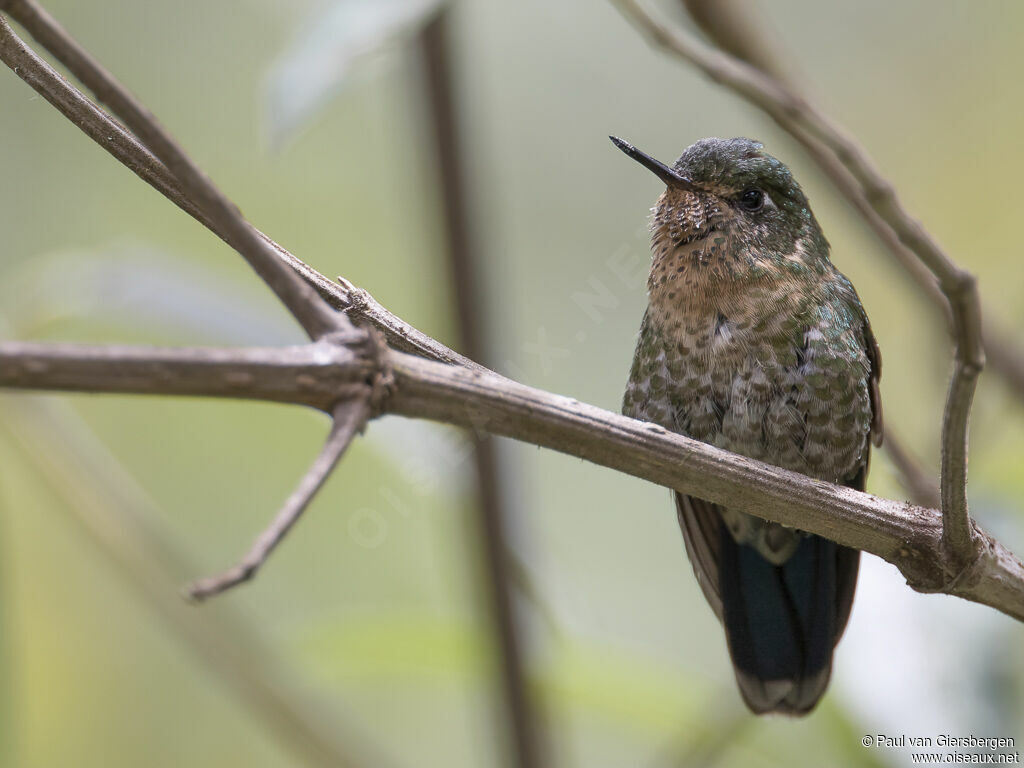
<point x="752" y="199"/>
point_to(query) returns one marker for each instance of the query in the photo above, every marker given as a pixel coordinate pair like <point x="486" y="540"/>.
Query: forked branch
<point x="349" y="418"/>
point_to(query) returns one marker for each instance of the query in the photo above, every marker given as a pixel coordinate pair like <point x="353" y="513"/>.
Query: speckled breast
<point x="778" y="373"/>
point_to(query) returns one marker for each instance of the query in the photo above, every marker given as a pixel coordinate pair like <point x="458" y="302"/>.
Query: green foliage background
<point x="372" y="608"/>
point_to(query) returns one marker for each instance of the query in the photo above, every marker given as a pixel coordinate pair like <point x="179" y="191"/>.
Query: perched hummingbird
<point x="755" y="343"/>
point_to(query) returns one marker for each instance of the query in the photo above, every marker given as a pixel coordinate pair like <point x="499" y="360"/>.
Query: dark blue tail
<point x="783" y="621"/>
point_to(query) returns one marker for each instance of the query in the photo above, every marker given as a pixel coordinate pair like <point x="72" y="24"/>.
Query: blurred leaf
<point x="135" y="284"/>
<point x="321" y="58"/>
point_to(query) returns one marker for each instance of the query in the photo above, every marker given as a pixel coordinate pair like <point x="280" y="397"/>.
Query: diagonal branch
<point x="814" y="130"/>
<point x="126" y="149"/>
<point x="349" y="418"/>
<point x="908" y="536"/>
<point x="313" y="314"/>
<point x="425" y="389"/>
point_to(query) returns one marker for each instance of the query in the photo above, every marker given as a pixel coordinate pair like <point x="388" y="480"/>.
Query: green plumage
<point x="755" y="343"/>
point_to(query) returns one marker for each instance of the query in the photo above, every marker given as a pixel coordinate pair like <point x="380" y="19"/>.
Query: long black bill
<point x="671" y="177"/>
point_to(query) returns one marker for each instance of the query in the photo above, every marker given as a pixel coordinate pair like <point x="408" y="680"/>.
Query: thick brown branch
<point x="904" y="534"/>
<point x="349" y="418"/>
<point x="317" y="375"/>
<point x="908" y="536"/>
<point x="314" y="315"/>
<point x="795" y="114"/>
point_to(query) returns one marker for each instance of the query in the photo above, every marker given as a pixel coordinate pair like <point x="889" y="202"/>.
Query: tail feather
<point x="782" y="622"/>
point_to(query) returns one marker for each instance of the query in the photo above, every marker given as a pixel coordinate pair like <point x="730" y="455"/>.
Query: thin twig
<point x="908" y="536"/>
<point x="463" y="261"/>
<point x="313" y="314"/>
<point x="349" y="418"/>
<point x="803" y="121"/>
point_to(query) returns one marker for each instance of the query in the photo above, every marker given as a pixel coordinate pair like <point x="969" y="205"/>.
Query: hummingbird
<point x="755" y="343"/>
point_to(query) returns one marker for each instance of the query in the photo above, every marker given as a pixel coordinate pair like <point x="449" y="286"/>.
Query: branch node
<point x="357" y="299"/>
<point x="382" y="382"/>
<point x="961" y="549"/>
<point x="973" y="368"/>
<point x="966" y="560"/>
<point x="959" y="284"/>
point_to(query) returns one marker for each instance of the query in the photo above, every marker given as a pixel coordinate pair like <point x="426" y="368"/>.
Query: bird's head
<point x="729" y="212"/>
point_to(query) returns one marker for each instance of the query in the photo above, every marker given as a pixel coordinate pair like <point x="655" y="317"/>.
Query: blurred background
<point x="370" y="624"/>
